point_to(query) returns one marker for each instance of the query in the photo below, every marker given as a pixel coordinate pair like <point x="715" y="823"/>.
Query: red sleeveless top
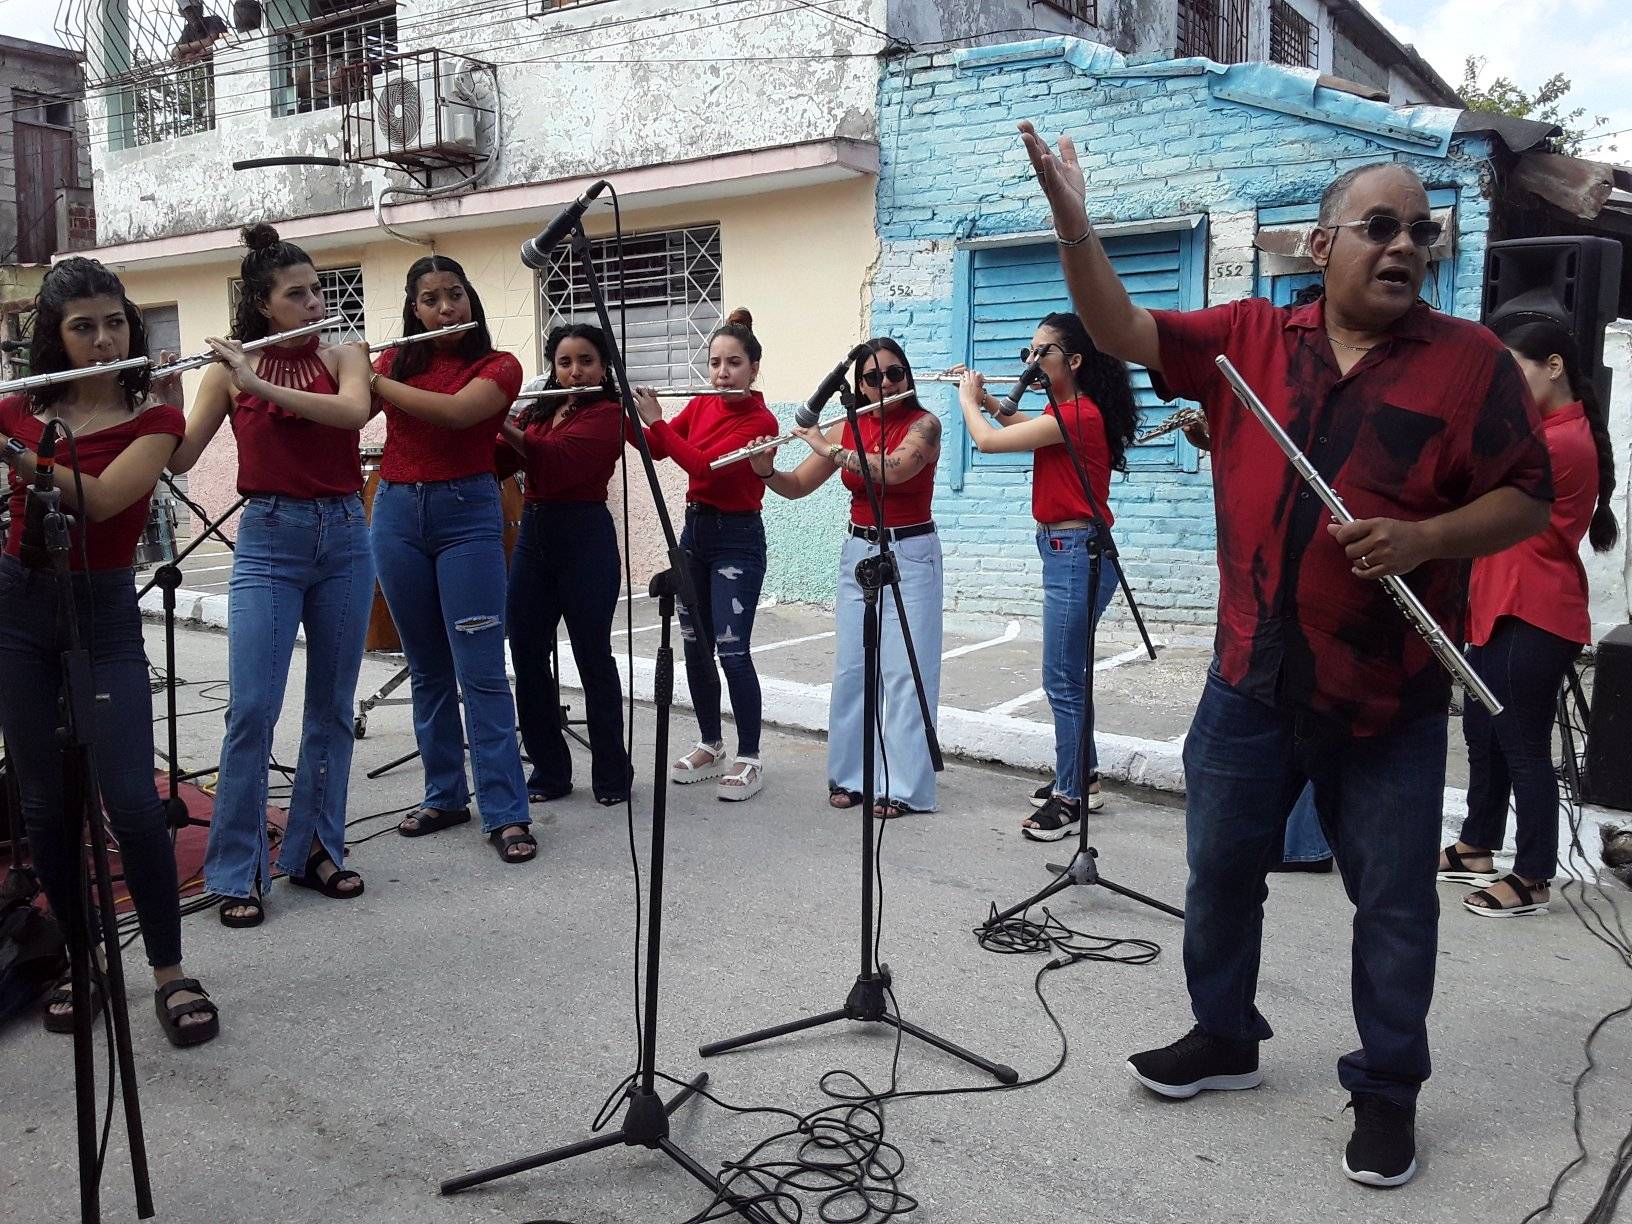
<point x="905" y="503"/>
<point x="284" y="455"/>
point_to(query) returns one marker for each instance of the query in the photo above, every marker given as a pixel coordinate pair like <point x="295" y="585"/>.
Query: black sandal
<point x="63" y="992"/>
<point x="505" y="842"/>
<point x="432" y="820"/>
<point x="242" y="920"/>
<point x="1491" y="907"/>
<point x="171" y="1017"/>
<point x="1055" y="820"/>
<point x="851" y="798"/>
<point x="891" y="809"/>
<point x="331" y="886"/>
<point x="1458" y="871"/>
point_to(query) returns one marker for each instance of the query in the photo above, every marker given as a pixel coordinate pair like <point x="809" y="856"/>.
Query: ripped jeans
<point x="439" y="551"/>
<point x="727" y="553"/>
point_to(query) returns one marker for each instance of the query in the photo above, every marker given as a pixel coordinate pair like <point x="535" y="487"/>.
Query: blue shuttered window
<point x="1006" y="289"/>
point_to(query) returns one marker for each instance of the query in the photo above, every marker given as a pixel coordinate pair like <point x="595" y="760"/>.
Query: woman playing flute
<point x="438" y="537"/>
<point x="1096" y="405"/>
<point x="123" y="436"/>
<point x="724" y="539"/>
<point x="900" y="445"/>
<point x="302" y="561"/>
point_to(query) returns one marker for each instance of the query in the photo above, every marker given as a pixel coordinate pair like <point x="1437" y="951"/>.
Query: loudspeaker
<point x="1609" y="723"/>
<point x="1571" y="279"/>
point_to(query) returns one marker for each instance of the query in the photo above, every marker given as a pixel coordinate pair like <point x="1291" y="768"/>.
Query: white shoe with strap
<point x="701" y="763"/>
<point x="744" y="781"/>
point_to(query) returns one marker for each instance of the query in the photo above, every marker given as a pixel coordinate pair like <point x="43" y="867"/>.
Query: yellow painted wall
<point x="797" y="259"/>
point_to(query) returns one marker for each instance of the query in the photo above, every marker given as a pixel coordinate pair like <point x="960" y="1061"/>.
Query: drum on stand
<point x="382" y="630"/>
<point x="158" y="543"/>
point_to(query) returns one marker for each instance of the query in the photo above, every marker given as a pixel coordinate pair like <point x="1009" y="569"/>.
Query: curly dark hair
<point x="572" y="331"/>
<point x="268" y="255"/>
<point x="1103" y="379"/>
<point x="73" y="280"/>
<point x="1538" y="339"/>
<point x="412" y="359"/>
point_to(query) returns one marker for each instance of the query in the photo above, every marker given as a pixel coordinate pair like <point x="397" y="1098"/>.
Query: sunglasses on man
<point x="876" y="378"/>
<point x="1382" y="229"/>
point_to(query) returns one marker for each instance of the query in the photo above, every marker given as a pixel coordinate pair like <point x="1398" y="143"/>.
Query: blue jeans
<point x="1380" y="800"/>
<point x="1304" y="842"/>
<point x="902" y="767"/>
<point x="1066" y="565"/>
<point x="1513" y="752"/>
<point x="565" y="568"/>
<point x="439" y="550"/>
<point x="299" y="562"/>
<point x="727" y="559"/>
<point x="110" y="626"/>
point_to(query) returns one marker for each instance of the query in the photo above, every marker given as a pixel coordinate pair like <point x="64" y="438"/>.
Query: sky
<point x="1590" y="41"/>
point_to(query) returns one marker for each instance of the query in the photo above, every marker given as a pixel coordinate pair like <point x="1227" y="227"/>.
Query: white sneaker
<point x="744" y="781"/>
<point x="689" y="769"/>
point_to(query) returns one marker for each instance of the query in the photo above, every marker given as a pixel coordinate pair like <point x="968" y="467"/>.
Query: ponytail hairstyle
<point x="268" y="255"/>
<point x="875" y="346"/>
<point x="70" y="281"/>
<point x="572" y="331"/>
<point x="412" y="359"/>
<point x="1539" y="339"/>
<point x="1103" y="379"/>
<point x="739" y="326"/>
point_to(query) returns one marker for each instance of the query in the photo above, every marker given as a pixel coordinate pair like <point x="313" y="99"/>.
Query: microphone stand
<point x="168" y="579"/>
<point x="646" y="1121"/>
<point x="1083" y="867"/>
<point x="870" y="995"/>
<point x="82" y="805"/>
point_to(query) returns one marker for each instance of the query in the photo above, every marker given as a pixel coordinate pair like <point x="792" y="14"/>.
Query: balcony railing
<point x="326" y="64"/>
<point x="163" y="102"/>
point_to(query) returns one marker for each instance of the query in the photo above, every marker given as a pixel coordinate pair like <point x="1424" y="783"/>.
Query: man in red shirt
<point x="1422" y="424"/>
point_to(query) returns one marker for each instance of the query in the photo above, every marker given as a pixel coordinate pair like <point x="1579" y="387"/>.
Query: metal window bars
<point x="420" y="111"/>
<point x="1293" y="38"/>
<point x="1082" y="10"/>
<point x="342" y="290"/>
<point x="162" y="102"/>
<point x="331" y="62"/>
<point x="673" y="304"/>
<point x="1213" y="29"/>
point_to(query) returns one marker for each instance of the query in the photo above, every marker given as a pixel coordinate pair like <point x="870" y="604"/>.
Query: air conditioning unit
<point x="426" y="113"/>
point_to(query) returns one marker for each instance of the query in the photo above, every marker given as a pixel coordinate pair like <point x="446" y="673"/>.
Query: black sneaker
<point x="1383" y="1148"/>
<point x="1195" y="1062"/>
<point x="1055" y="820"/>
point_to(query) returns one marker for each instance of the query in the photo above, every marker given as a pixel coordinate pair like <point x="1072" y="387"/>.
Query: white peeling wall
<point x="588" y="90"/>
<point x="1610" y="574"/>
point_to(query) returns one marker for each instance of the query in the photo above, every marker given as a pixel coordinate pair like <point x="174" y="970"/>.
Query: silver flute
<point x="1444" y="650"/>
<point x="1184" y="418"/>
<point x="455" y="329"/>
<point x="992" y="380"/>
<point x="760" y="448"/>
<point x="661" y="392"/>
<point x="61" y="376"/>
<point x="209" y="358"/>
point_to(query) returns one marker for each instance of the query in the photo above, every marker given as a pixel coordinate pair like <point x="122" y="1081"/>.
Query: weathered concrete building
<point x="45" y="176"/>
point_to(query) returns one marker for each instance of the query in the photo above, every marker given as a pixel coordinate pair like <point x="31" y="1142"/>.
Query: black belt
<point x="870" y="534"/>
<point x="704" y="508"/>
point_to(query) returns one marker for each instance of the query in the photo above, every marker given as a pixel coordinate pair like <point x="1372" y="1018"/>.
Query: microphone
<point x="535" y="252"/>
<point x="43" y="499"/>
<point x="1010" y="403"/>
<point x="810" y="412"/>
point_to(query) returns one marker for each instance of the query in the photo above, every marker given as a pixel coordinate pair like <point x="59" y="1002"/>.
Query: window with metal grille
<point x="342" y="295"/>
<point x="331" y="61"/>
<point x="1082" y="10"/>
<point x="163" y="103"/>
<point x="550" y="6"/>
<point x="671" y="299"/>
<point x="1293" y="38"/>
<point x="1213" y="29"/>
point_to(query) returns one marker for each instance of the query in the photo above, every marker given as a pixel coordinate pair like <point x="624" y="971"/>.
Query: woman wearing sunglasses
<point x="1095" y="403"/>
<point x="900" y="444"/>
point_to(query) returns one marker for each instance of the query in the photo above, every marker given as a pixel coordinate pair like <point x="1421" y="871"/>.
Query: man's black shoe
<point x="1383" y="1149"/>
<point x="1195" y="1062"/>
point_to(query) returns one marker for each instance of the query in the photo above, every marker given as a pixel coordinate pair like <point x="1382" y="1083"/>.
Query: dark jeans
<point x="1380" y="801"/>
<point x="1524" y="666"/>
<point x="565" y="568"/>
<point x="30" y="685"/>
<point x="727" y="556"/>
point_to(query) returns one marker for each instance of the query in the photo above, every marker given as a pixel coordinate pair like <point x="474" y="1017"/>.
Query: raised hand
<point x="1062" y="181"/>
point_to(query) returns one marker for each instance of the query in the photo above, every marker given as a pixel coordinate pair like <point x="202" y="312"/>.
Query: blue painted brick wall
<point x="952" y="168"/>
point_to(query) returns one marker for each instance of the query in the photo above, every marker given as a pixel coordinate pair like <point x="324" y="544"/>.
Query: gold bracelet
<point x="372" y="380"/>
<point x="834" y="450"/>
<point x="1071" y="242"/>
